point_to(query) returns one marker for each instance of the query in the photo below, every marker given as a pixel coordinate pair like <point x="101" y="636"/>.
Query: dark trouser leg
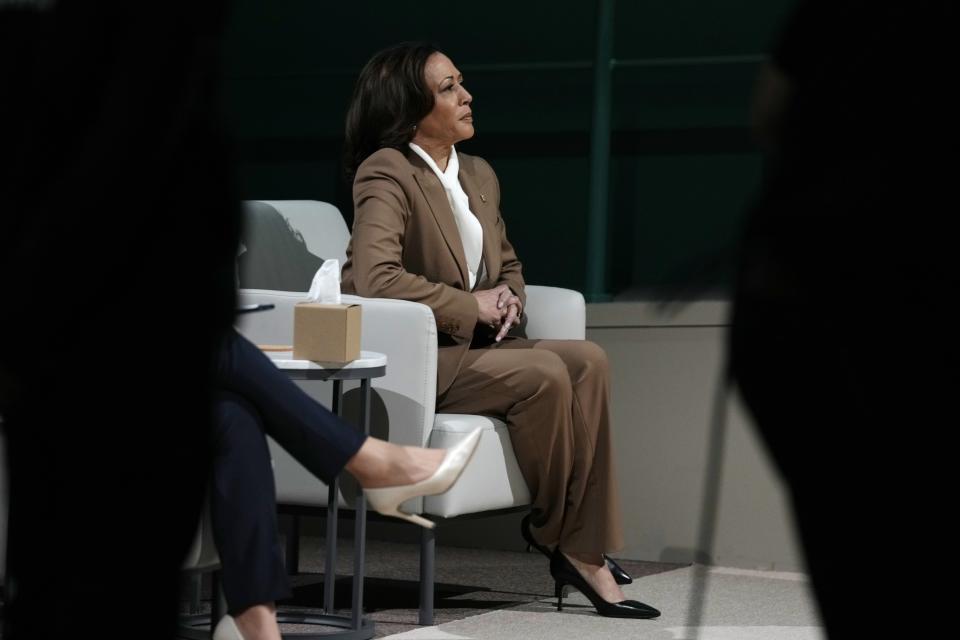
<point x="318" y="439"/>
<point x="243" y="508"/>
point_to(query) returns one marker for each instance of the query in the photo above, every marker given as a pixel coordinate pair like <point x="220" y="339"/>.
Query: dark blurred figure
<point x="117" y="238"/>
<point x="842" y="342"/>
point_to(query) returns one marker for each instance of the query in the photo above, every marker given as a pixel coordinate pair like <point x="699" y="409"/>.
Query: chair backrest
<point x="320" y="223"/>
<point x="284" y="242"/>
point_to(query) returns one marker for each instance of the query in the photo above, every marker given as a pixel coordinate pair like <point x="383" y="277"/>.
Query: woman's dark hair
<point x="390" y="98"/>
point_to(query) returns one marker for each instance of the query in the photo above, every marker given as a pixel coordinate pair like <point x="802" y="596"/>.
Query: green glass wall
<point x="681" y="164"/>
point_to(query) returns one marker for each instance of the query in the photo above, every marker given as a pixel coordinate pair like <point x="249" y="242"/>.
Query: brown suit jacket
<point x="406" y="245"/>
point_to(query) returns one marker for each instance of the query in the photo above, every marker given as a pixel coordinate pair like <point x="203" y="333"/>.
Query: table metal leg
<point x="218" y="600"/>
<point x="196" y="582"/>
<point x="330" y="566"/>
<point x="354" y="626"/>
<point x="292" y="559"/>
<point x="428" y="550"/>
<point x="360" y="526"/>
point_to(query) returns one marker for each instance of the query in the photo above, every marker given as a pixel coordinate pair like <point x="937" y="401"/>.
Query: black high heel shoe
<point x="565" y="573"/>
<point x="621" y="576"/>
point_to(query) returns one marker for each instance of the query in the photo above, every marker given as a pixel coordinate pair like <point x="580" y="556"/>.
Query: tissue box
<point x="326" y="332"/>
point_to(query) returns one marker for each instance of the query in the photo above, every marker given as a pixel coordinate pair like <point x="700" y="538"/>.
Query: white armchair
<point x="406" y="333"/>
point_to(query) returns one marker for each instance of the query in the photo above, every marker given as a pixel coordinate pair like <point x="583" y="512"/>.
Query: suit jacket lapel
<point x="436" y="199"/>
<point x="486" y="214"/>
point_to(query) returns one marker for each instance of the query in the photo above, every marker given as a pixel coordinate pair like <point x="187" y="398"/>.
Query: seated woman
<point x="256" y="399"/>
<point x="427" y="227"/>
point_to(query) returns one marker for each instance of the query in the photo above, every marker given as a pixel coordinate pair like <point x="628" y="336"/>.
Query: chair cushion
<point x="492" y="480"/>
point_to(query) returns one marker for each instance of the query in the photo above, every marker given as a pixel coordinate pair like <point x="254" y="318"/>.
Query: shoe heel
<point x="410" y="517"/>
<point x="558" y="594"/>
<point x="415" y="519"/>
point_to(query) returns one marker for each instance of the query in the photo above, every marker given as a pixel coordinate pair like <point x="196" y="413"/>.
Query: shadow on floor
<point x="381" y="594"/>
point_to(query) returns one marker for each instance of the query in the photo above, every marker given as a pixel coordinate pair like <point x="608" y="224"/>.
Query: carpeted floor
<point x="470" y="582"/>
<point x="739" y="605"/>
<point x="502" y="595"/>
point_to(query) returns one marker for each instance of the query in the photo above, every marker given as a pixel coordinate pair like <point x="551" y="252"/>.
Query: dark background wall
<point x="683" y="167"/>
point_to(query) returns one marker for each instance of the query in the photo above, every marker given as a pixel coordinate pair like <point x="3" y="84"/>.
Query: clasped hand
<point x="499" y="307"/>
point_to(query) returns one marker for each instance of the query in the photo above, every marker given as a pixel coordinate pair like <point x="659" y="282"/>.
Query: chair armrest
<point x="403" y="401"/>
<point x="405" y="331"/>
<point x="269" y="327"/>
<point x="555" y="314"/>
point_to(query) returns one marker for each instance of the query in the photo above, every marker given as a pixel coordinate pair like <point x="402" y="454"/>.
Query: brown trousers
<point x="554" y="397"/>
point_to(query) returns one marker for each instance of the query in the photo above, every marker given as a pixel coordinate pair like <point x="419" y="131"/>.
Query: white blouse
<point x="471" y="233"/>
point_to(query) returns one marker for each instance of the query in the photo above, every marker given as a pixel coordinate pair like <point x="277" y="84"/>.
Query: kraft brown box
<point x="326" y="332"/>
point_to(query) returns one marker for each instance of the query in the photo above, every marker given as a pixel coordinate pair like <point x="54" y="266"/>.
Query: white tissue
<point x="325" y="287"/>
